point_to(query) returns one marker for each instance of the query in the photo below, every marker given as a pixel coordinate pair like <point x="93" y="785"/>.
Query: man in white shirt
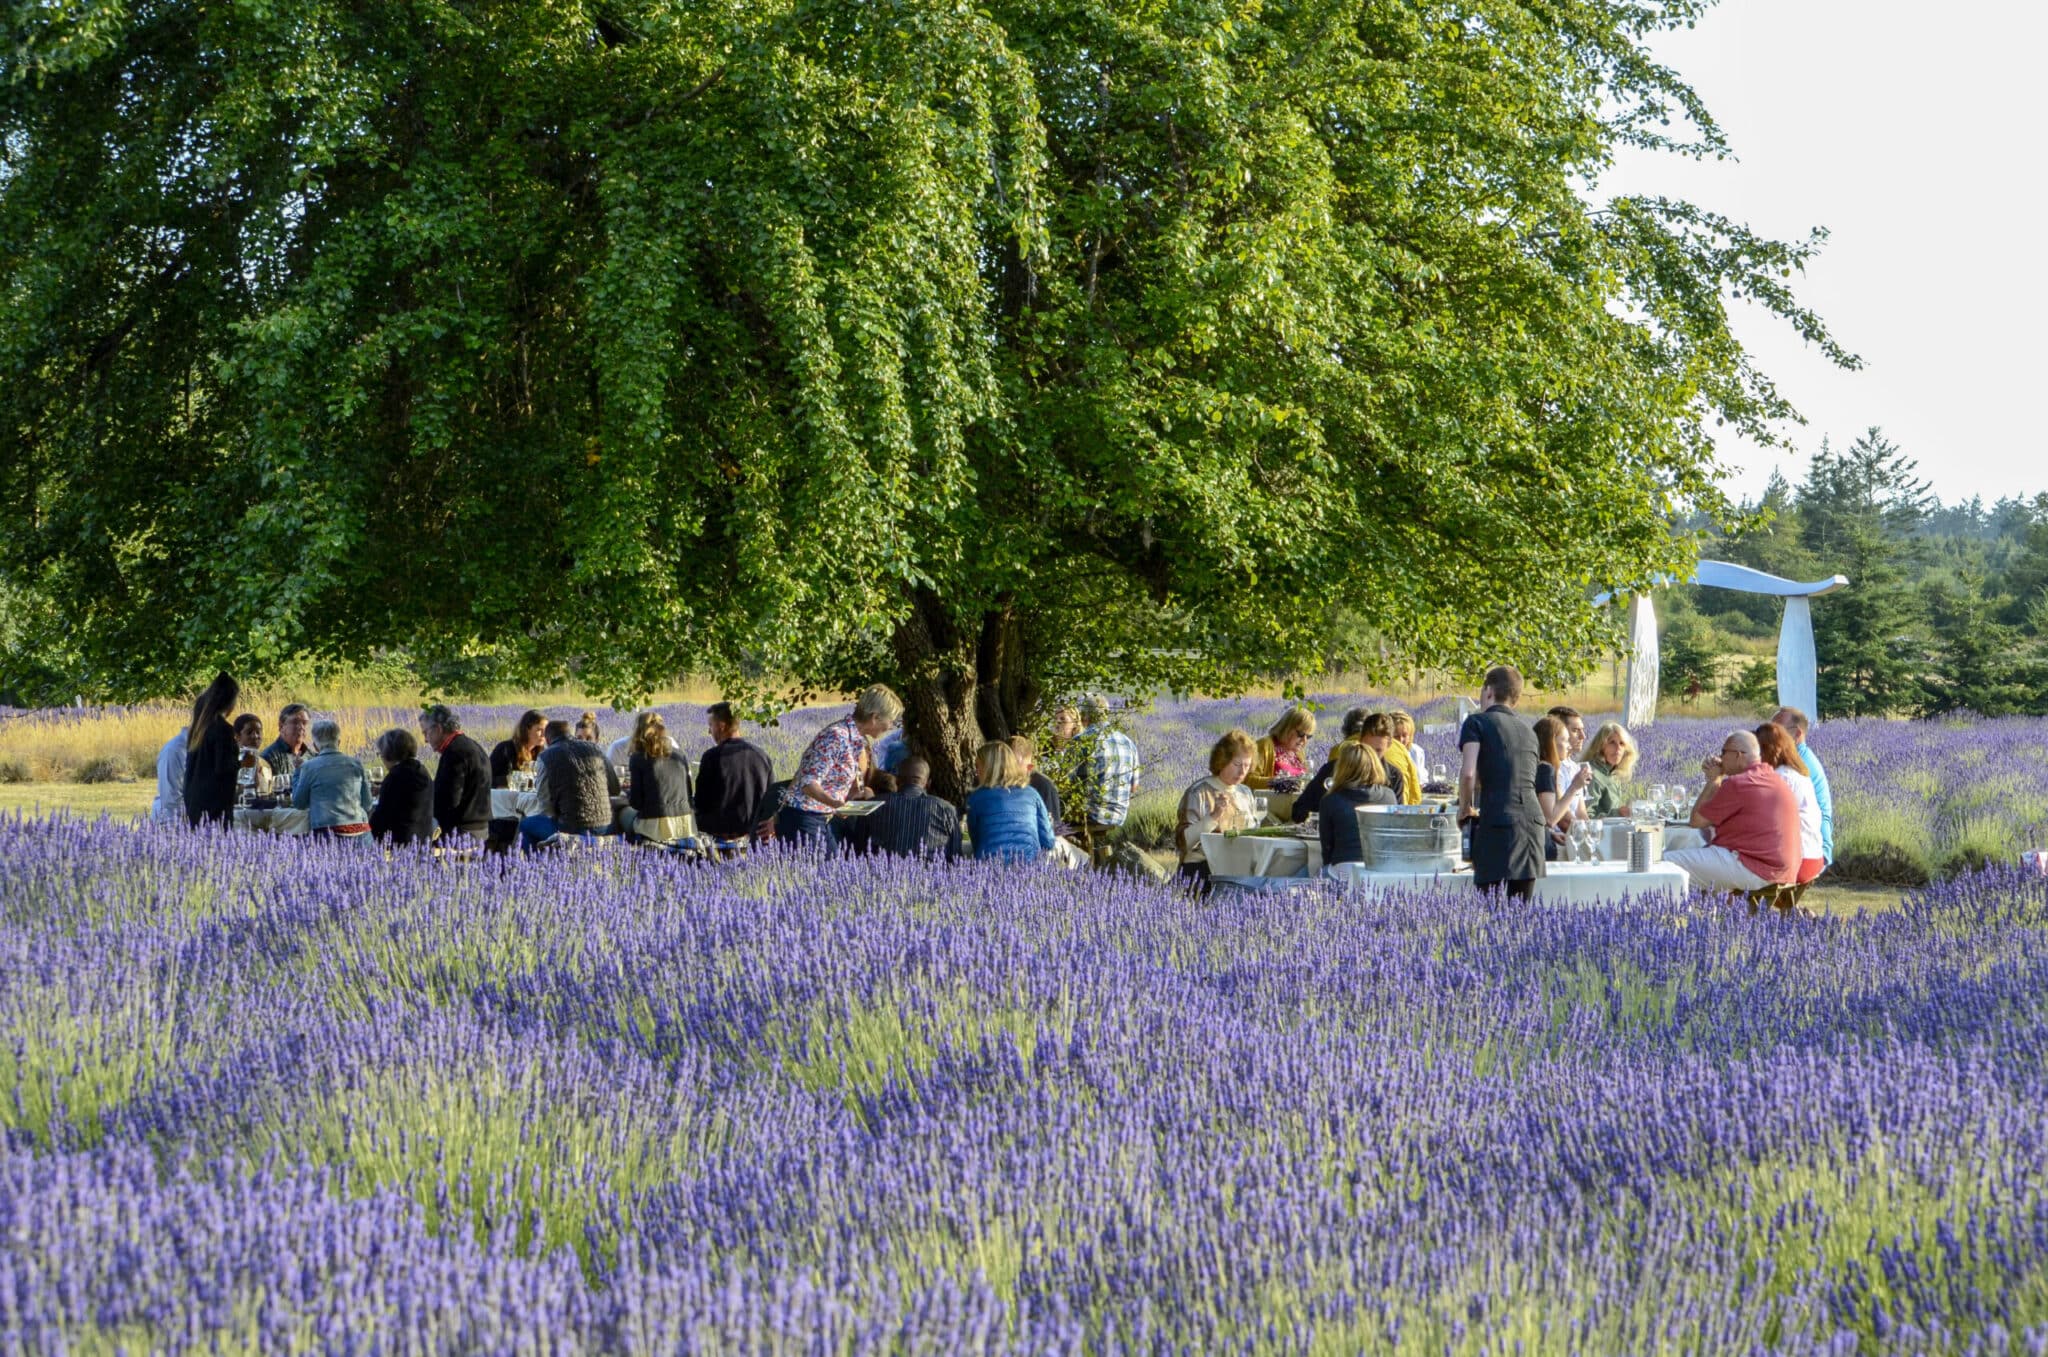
<point x="1574" y="744"/>
<point x="169" y="806"/>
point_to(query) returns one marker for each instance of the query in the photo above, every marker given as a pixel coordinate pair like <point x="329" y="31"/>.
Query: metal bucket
<point x="1645" y="847"/>
<point x="1415" y="839"/>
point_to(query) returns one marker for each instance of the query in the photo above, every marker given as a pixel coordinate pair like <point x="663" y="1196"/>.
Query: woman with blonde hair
<point x="1282" y="751"/>
<point x="1006" y="819"/>
<point x="1357" y="778"/>
<point x="833" y="766"/>
<point x="659" y="807"/>
<point x="1217" y="804"/>
<point x="1611" y="757"/>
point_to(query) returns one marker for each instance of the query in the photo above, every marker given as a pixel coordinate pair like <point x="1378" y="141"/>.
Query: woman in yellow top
<point x="1283" y="751"/>
<point x="1401" y="771"/>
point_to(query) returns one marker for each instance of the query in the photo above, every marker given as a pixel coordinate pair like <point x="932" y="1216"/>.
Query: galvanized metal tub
<point x="1415" y="839"/>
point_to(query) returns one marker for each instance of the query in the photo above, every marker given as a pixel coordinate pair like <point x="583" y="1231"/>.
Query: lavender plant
<point x="269" y="1095"/>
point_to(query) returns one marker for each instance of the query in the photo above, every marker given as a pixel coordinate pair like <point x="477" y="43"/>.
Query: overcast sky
<point x="1913" y="133"/>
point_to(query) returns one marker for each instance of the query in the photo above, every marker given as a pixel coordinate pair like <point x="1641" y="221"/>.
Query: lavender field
<point x="268" y="1095"/>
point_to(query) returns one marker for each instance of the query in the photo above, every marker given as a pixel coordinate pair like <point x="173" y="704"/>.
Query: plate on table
<point x="859" y="808"/>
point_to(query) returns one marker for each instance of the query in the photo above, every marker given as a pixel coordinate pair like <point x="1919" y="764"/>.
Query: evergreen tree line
<point x="1946" y="609"/>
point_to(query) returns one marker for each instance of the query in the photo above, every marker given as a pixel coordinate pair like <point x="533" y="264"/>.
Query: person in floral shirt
<point x="834" y="766"/>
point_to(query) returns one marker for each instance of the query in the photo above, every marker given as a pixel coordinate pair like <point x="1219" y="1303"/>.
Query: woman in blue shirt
<point x="1005" y="817"/>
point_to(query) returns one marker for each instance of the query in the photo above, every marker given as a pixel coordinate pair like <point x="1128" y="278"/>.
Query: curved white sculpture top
<point x="1722" y="575"/>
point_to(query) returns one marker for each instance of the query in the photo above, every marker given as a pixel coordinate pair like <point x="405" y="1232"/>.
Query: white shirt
<point x="1421" y="763"/>
<point x="169" y="806"/>
<point x="1567" y="769"/>
<point x="1809" y="811"/>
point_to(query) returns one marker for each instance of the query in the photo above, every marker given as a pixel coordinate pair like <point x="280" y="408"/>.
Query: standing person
<point x="517" y="754"/>
<point x="212" y="757"/>
<point x="462" y="779"/>
<point x="829" y="774"/>
<point x="575" y="787"/>
<point x="1357" y="779"/>
<point x="1311" y="799"/>
<point x="1497" y="788"/>
<point x="1216" y="804"/>
<point x="332" y="788"/>
<point x="1778" y="751"/>
<point x="658" y="808"/>
<point x="913" y="821"/>
<point x="404" y="812"/>
<point x="732" y="778"/>
<point x="1283" y="750"/>
<point x="1005" y="818"/>
<point x="1568" y="764"/>
<point x="1558" y="798"/>
<point x="1795" y="724"/>
<point x="169" y="806"/>
<point x="1404" y="731"/>
<point x="292" y="746"/>
<point x="1612" y="762"/>
<point x="1755" y="823"/>
<point x="1401" y="774"/>
<point x="1110" y="772"/>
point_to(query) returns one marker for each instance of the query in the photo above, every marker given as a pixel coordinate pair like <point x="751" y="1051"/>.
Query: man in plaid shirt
<point x="1109" y="771"/>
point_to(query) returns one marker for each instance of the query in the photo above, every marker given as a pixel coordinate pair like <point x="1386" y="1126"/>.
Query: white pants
<point x="1714" y="868"/>
<point x="1067" y="855"/>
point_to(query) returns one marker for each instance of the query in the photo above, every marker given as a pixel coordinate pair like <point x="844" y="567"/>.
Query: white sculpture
<point x="1798" y="670"/>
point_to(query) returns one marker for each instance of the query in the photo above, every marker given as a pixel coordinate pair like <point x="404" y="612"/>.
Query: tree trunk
<point x="937" y="679"/>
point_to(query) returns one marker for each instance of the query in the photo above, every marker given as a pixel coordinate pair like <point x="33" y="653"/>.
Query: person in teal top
<point x="1005" y="817"/>
<point x="1793" y="722"/>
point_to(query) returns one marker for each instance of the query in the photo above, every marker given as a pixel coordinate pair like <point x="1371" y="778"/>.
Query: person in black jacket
<point x="404" y="812"/>
<point x="1311" y="798"/>
<point x="1497" y="789"/>
<point x="912" y="821"/>
<point x="732" y="779"/>
<point x="462" y="782"/>
<point x="212" y="755"/>
<point x="1359" y="779"/>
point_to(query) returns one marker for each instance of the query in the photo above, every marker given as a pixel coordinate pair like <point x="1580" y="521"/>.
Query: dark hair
<point x="882" y="782"/>
<point x="1776" y="747"/>
<point x="1550" y="740"/>
<point x="556" y="731"/>
<point x="246" y="719"/>
<point x="397" y="745"/>
<point x="291" y="709"/>
<point x="211" y="708"/>
<point x="1566" y="714"/>
<point x="1378" y="724"/>
<point x="913" y="772"/>
<point x="529" y="721"/>
<point x="1506" y="682"/>
<point x="1354" y="723"/>
<point x="442" y="715"/>
<point x="722" y="713"/>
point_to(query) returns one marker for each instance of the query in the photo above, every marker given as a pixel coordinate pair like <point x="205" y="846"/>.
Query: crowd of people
<point x="1766" y="811"/>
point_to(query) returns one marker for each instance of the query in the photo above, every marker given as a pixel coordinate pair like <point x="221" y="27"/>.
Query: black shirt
<point x="732" y="781"/>
<point x="210" y="772"/>
<point x="1507" y="843"/>
<point x="462" y="787"/>
<point x="505" y="762"/>
<point x="1338" y="827"/>
<point x="404" y="812"/>
<point x="282" y="758"/>
<point x="1049" y="794"/>
<point x="1311" y="798"/>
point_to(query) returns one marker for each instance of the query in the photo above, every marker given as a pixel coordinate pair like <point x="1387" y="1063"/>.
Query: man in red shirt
<point x="1752" y="822"/>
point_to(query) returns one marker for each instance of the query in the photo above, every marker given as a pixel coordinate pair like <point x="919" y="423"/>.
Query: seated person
<point x="1404" y="731"/>
<point x="255" y="774"/>
<point x="290" y="749"/>
<point x="1005" y="818"/>
<point x="169" y="806"/>
<point x="1393" y="756"/>
<point x="1359" y="779"/>
<point x="1283" y="750"/>
<point x="1755" y="823"/>
<point x="332" y="788"/>
<point x="732" y="779"/>
<point x="1026" y="750"/>
<point x="576" y="784"/>
<point x="1311" y="796"/>
<point x="1612" y="759"/>
<point x="658" y="808"/>
<point x="517" y="755"/>
<point x="1557" y="800"/>
<point x="1781" y="752"/>
<point x="404" y="812"/>
<point x="1216" y="804"/>
<point x="249" y="731"/>
<point x="912" y="821"/>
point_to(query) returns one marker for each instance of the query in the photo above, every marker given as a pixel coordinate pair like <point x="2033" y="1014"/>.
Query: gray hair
<point x="442" y="715"/>
<point x="1094" y="710"/>
<point x="1747" y="739"/>
<point x="326" y="734"/>
<point x="877" y="702"/>
<point x="397" y="745"/>
<point x="1354" y="723"/>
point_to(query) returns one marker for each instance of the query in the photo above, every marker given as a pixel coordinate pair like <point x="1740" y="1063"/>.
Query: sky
<point x="1912" y="132"/>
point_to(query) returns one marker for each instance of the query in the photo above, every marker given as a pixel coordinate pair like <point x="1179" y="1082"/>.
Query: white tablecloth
<point x="510" y="805"/>
<point x="284" y="820"/>
<point x="1279" y="855"/>
<point x="1564" y="883"/>
<point x="1682" y="836"/>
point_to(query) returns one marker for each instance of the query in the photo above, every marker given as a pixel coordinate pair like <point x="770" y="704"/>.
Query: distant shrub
<point x="1882" y="864"/>
<point x="1150" y="823"/>
<point x="105" y="768"/>
<point x="15" y="770"/>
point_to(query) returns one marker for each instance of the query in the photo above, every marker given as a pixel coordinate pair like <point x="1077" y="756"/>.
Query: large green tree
<point x="1858" y="510"/>
<point x="992" y="349"/>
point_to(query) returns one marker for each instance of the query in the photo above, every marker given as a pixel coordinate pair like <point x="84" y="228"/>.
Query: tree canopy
<point x="994" y="350"/>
